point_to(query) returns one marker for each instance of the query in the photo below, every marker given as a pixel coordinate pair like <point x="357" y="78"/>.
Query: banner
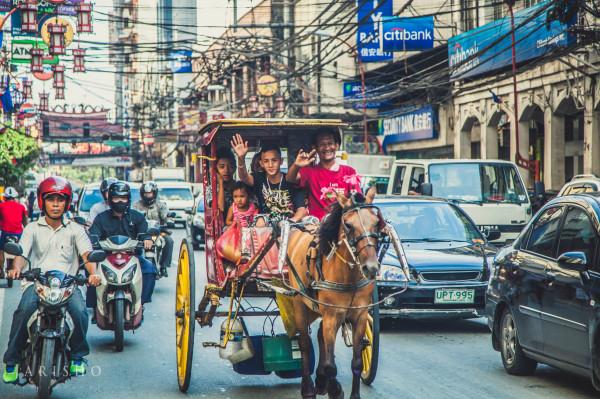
<point x="370" y="16"/>
<point x="419" y="124"/>
<point x="407" y="34"/>
<point x="469" y="55"/>
<point x="353" y="96"/>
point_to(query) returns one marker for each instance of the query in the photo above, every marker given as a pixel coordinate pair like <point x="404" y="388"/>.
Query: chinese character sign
<point x="370" y="28"/>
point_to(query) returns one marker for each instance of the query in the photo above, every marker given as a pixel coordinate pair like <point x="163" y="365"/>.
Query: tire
<point x="119" y="324"/>
<point x="44" y="386"/>
<point x="513" y="358"/>
<point x="371" y="353"/>
<point x="185" y="312"/>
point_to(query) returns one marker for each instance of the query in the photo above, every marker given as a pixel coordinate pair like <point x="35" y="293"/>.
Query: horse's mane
<point x="330" y="225"/>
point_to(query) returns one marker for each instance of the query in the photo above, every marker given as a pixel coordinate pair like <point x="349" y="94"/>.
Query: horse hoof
<point x="334" y="390"/>
<point x="321" y="385"/>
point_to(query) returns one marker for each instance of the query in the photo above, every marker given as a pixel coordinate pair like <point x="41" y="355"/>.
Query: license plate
<point x="454" y="295"/>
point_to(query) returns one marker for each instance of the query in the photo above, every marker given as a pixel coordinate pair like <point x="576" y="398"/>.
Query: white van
<point x="490" y="191"/>
<point x="179" y="198"/>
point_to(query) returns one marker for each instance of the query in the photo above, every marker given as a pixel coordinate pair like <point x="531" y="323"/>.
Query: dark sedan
<point x="448" y="260"/>
<point x="542" y="301"/>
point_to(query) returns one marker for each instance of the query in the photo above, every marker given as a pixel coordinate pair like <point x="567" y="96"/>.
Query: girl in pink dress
<point x="242" y="210"/>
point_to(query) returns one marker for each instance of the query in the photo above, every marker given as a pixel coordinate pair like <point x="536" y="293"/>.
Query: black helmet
<point x="149" y="187"/>
<point x="106" y="184"/>
<point x="119" y="189"/>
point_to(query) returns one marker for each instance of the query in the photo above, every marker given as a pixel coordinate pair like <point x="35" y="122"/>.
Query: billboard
<point x="407" y="34"/>
<point x="369" y="18"/>
<point x="417" y="124"/>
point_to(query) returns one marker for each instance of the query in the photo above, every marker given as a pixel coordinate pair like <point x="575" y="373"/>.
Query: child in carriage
<point x="242" y="210"/>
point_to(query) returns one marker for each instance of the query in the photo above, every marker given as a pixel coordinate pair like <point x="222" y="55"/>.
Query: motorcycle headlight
<point x="52" y="294"/>
<point x="391" y="273"/>
<point x="128" y="275"/>
<point x="111" y="276"/>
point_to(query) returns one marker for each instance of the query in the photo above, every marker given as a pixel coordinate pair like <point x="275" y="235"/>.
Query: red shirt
<point x="11" y="217"/>
<point x="321" y="184"/>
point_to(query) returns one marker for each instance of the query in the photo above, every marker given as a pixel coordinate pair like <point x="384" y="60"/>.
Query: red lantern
<point x="28" y="16"/>
<point x="57" y="39"/>
<point x="253" y="104"/>
<point x="59" y="76"/>
<point x="279" y="104"/>
<point x="37" y="57"/>
<point x="27" y="89"/>
<point x="84" y="18"/>
<point x="78" y="60"/>
<point x="59" y="94"/>
<point x="44" y="101"/>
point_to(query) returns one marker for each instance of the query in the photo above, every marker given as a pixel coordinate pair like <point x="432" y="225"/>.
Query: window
<point x="86" y="129"/>
<point x="581" y="188"/>
<point x="469" y="13"/>
<point x="417" y="177"/>
<point x="399" y="180"/>
<point x="543" y="236"/>
<point x="578" y="234"/>
<point x="46" y="129"/>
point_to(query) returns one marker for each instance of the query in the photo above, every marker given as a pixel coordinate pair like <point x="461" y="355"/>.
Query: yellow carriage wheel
<point x="185" y="315"/>
<point x="370" y="353"/>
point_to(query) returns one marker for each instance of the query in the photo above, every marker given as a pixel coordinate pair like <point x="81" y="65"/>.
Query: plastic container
<point x="254" y="365"/>
<point x="278" y="356"/>
<point x="298" y="373"/>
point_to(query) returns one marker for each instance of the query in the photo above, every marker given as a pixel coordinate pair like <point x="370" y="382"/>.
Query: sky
<point x="97" y="88"/>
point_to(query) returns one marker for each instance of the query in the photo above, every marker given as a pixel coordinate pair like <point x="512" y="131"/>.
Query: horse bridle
<point x="352" y="242"/>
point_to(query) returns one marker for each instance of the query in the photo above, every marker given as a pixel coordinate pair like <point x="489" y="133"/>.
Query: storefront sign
<point x="20" y="51"/>
<point x="419" y="124"/>
<point x="180" y="61"/>
<point x="5" y="5"/>
<point x="407" y="34"/>
<point x="370" y="27"/>
<point x="469" y="55"/>
<point x="353" y="96"/>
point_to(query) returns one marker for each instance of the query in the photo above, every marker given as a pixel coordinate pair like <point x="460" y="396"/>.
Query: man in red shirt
<point x="324" y="180"/>
<point x="13" y="217"/>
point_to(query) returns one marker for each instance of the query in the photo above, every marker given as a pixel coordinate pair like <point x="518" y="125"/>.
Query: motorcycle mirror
<point x="96" y="256"/>
<point x="12" y="248"/>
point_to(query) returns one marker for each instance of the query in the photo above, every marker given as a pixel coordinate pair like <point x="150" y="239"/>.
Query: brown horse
<point x="338" y="288"/>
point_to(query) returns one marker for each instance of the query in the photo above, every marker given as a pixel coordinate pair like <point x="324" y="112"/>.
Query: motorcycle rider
<point x="157" y="210"/>
<point x="13" y="217"/>
<point x="53" y="242"/>
<point x="121" y="220"/>
<point x="101" y="206"/>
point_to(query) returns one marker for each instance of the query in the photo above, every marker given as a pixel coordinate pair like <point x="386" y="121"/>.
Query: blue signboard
<point x="370" y="16"/>
<point x="469" y="55"/>
<point x="353" y="96"/>
<point x="180" y="61"/>
<point x="418" y="124"/>
<point x="407" y="34"/>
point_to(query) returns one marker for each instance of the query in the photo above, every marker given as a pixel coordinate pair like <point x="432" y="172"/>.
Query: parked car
<point x="90" y="195"/>
<point x="179" y="198"/>
<point x="195" y="224"/>
<point x="448" y="260"/>
<point x="580" y="184"/>
<point x="544" y="294"/>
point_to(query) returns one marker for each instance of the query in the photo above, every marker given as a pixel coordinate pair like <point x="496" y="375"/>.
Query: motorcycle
<point x="46" y="357"/>
<point x="119" y="297"/>
<point x="4" y="269"/>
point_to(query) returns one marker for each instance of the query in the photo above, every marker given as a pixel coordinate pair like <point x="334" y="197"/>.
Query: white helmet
<point x="10" y="192"/>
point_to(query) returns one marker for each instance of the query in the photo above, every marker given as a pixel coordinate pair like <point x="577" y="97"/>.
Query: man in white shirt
<point x="101" y="206"/>
<point x="52" y="243"/>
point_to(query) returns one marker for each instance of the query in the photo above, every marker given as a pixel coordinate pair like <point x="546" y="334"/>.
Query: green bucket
<point x="278" y="354"/>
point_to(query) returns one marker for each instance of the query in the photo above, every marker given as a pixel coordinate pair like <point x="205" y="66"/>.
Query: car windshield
<point x="200" y="207"/>
<point x="429" y="221"/>
<point x="477" y="182"/>
<point x="175" y="194"/>
<point x="93" y="196"/>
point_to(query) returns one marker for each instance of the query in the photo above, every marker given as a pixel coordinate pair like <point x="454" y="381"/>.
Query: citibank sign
<point x="407" y="34"/>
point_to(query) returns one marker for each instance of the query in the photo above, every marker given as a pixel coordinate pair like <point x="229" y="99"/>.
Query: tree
<point x="18" y="154"/>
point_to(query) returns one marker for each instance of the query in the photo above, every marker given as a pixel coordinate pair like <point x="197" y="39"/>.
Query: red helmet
<point x="54" y="185"/>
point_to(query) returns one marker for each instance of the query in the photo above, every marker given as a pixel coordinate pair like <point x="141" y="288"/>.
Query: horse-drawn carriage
<point x="358" y="224"/>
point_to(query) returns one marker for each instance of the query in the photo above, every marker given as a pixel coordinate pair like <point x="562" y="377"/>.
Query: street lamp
<point x="57" y="39"/>
<point x="27" y="88"/>
<point x="29" y="15"/>
<point x="84" y="18"/>
<point x="59" y="76"/>
<point x="361" y="70"/>
<point x="37" y="57"/>
<point x="78" y="60"/>
<point x="59" y="93"/>
<point x="44" y="101"/>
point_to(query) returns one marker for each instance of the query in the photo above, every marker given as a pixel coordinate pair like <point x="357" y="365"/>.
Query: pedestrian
<point x="30" y="204"/>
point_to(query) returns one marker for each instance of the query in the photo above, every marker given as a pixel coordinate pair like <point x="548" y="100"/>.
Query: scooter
<point x="119" y="297"/>
<point x="4" y="269"/>
<point x="47" y="356"/>
<point x="154" y="255"/>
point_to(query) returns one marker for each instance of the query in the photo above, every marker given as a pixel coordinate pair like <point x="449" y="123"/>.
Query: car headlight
<point x="391" y="273"/>
<point x="111" y="276"/>
<point x="128" y="275"/>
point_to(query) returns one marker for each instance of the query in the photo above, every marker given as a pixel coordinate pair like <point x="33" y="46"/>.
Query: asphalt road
<point x="448" y="359"/>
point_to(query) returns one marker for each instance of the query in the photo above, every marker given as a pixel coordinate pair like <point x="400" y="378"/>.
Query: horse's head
<point x="361" y="225"/>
